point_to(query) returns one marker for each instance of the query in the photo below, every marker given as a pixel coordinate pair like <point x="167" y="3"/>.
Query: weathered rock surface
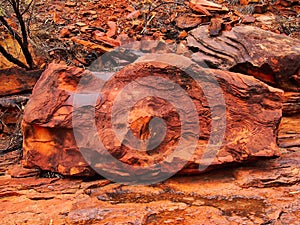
<point x="16" y="80"/>
<point x="258" y="193"/>
<point x="190" y="21"/>
<point x="11" y="110"/>
<point x="291" y="103"/>
<point x="283" y="171"/>
<point x="253" y="111"/>
<point x="272" y="58"/>
<point x="15" y="88"/>
<point x="205" y="7"/>
<point x="289" y="132"/>
<point x="47" y="123"/>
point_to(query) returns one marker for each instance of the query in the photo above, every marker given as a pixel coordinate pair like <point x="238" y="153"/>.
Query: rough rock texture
<point x="253" y="111"/>
<point x="265" y="192"/>
<point x="289" y="133"/>
<point x="16" y="80"/>
<point x="291" y="103"/>
<point x="205" y="7"/>
<point x="190" y="21"/>
<point x="15" y="88"/>
<point x="47" y="123"/>
<point x="11" y="110"/>
<point x="270" y="57"/>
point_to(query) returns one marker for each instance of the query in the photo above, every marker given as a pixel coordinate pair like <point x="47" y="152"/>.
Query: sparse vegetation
<point x="12" y="11"/>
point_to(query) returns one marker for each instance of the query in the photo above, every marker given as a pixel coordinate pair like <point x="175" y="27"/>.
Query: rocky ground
<point x="264" y="192"/>
<point x="77" y="32"/>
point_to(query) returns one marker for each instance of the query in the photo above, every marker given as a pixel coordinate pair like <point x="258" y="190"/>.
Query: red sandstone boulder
<point x="15" y="87"/>
<point x="236" y="116"/>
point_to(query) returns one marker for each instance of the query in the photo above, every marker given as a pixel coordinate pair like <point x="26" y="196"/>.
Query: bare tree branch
<point x="28" y="57"/>
<point x="23" y="38"/>
<point x="11" y="30"/>
<point x="27" y="8"/>
<point x="30" y="16"/>
<point x="12" y="59"/>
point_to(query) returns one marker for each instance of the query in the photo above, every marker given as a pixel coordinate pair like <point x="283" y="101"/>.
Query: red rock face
<point x="267" y="56"/>
<point x="47" y="126"/>
<point x="291" y="103"/>
<point x="16" y="80"/>
<point x="252" y="113"/>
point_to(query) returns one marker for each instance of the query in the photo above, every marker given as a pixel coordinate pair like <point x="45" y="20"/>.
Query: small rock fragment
<point x="248" y="19"/>
<point x="215" y="27"/>
<point x="291" y="103"/>
<point x="70" y="4"/>
<point x="17" y="171"/>
<point x="112" y="29"/>
<point x="108" y="41"/>
<point x="189" y="21"/>
<point x="204" y="6"/>
<point x="91" y="45"/>
<point x="183" y="35"/>
<point x="80" y="24"/>
<point x="134" y="14"/>
<point x="65" y="32"/>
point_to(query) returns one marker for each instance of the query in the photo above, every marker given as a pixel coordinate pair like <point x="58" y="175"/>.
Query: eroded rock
<point x="47" y="123"/>
<point x="190" y="21"/>
<point x="270" y="57"/>
<point x="253" y="111"/>
<point x="291" y="103"/>
<point x="289" y="132"/>
<point x="283" y="171"/>
<point x="262" y="192"/>
<point x="16" y="80"/>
